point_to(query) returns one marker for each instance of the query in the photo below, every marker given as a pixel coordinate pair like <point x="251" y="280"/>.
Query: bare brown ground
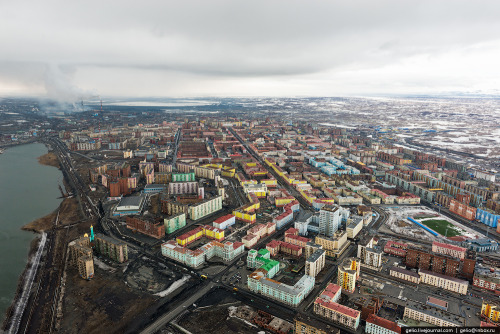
<point x="49" y="159"/>
<point x="69" y="212"/>
<point x="102" y="305"/>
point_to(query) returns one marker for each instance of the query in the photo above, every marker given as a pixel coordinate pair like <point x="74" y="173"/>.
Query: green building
<point x="174" y="223"/>
<point x="183" y="177"/>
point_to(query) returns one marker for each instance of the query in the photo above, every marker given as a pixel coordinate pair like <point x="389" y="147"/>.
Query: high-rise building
<point x="348" y="273"/>
<point x="329" y="220"/>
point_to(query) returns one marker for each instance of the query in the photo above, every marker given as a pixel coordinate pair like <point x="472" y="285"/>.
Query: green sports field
<point x="440" y="225"/>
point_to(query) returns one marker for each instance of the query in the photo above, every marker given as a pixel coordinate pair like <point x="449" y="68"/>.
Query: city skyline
<point x="73" y="51"/>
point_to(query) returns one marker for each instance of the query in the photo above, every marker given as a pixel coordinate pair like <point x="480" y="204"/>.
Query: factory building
<point x="327" y="307"/>
<point x="444" y="282"/>
<point x="113" y="249"/>
<point x="174" y="223"/>
<point x="348" y="274"/>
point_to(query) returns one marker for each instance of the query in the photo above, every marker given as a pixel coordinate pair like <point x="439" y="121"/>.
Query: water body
<point x="28" y="190"/>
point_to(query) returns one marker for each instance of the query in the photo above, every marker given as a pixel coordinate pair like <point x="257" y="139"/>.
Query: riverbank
<point x="49" y="159"/>
<point x="66" y="212"/>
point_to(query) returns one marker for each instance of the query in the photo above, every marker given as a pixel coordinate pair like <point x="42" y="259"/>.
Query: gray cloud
<point x="69" y="49"/>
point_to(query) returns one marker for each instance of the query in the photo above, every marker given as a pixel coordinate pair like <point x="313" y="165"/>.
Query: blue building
<point x="487" y="217"/>
<point x="154" y="188"/>
<point x="481" y="245"/>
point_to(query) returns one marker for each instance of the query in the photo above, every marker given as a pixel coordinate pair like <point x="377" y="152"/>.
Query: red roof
<point x="330" y="291"/>
<point x="223" y="218"/>
<point x="390" y="325"/>
<point x="338" y="308"/>
<point x="298" y="238"/>
<point x="273" y="244"/>
<point x="452" y="247"/>
<point x="438" y="302"/>
<point x="237" y="244"/>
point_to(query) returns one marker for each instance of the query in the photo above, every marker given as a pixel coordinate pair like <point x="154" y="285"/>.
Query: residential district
<point x="244" y="224"/>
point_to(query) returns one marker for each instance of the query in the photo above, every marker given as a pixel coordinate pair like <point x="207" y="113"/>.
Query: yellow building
<point x="334" y="246"/>
<point x="306" y="325"/>
<point x="491" y="310"/>
<point x="348" y="273"/>
<point x="85" y="267"/>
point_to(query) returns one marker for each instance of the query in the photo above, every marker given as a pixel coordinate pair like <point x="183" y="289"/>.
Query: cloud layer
<point x="287" y="48"/>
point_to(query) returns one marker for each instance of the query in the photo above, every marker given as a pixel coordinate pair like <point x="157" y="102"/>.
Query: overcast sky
<point x="69" y="49"/>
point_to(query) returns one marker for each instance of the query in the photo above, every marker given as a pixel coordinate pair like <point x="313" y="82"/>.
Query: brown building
<point x="463" y="210"/>
<point x="440" y="263"/>
<point x="153" y="229"/>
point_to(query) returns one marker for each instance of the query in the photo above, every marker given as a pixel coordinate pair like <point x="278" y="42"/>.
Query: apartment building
<point x="205" y="208"/>
<point x="113" y="249"/>
<point x="174" y="223"/>
<point x="307" y="325"/>
<point x="329" y="220"/>
<point x="334" y="246"/>
<point x="404" y="274"/>
<point x="378" y="325"/>
<point x="287" y="294"/>
<point x="80" y="255"/>
<point x="491" y="310"/>
<point x="447" y="249"/>
<point x="432" y="315"/>
<point x="370" y="255"/>
<point x="487" y="278"/>
<point x="327" y="307"/>
<point x="444" y="282"/>
<point x="315" y="263"/>
<point x="227" y="251"/>
<point x="348" y="274"/>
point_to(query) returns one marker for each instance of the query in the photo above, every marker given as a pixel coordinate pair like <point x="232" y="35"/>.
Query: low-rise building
<point x="447" y="249"/>
<point x="404" y="274"/>
<point x="307" y="325"/>
<point x="487" y="278"/>
<point x="432" y="315"/>
<point x="327" y="307"/>
<point x="378" y="325"/>
<point x="225" y="221"/>
<point x="291" y="295"/>
<point x="444" y="282"/>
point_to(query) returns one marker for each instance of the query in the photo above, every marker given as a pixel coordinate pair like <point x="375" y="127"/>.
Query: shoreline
<point x="38" y="226"/>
